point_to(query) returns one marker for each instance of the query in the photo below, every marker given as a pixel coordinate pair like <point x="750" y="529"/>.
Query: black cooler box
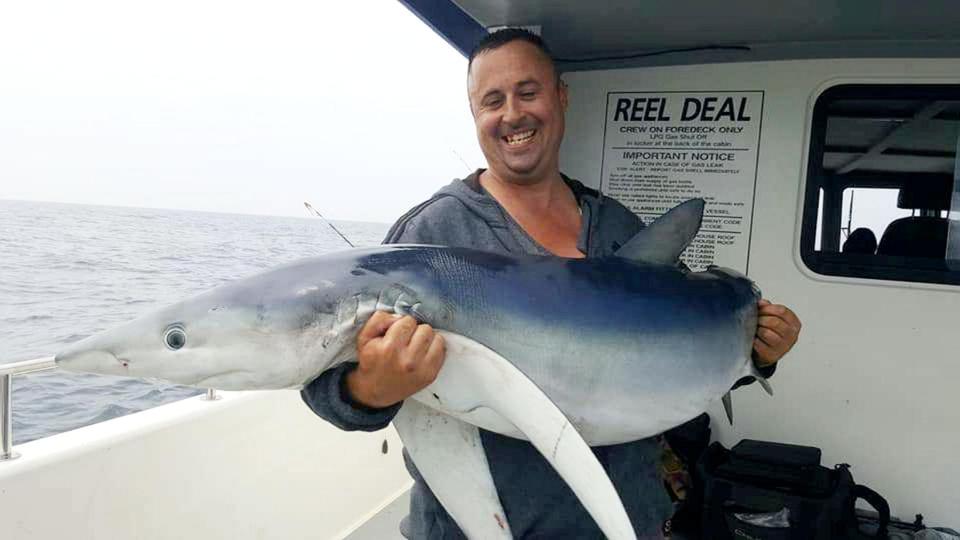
<point x="760" y="490"/>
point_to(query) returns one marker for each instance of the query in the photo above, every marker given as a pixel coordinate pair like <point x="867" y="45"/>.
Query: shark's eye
<point x="175" y="338"/>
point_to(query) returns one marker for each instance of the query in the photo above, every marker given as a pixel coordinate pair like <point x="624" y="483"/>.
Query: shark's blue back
<point x="585" y="328"/>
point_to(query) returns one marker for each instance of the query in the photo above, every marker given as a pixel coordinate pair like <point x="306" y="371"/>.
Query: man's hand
<point x="777" y="331"/>
<point x="397" y="358"/>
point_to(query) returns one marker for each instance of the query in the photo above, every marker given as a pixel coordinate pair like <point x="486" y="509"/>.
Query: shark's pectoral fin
<point x="474" y="376"/>
<point x="450" y="457"/>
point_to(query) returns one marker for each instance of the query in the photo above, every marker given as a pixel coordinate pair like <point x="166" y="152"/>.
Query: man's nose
<point x="513" y="112"/>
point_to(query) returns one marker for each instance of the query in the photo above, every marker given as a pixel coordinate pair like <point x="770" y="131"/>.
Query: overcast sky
<point x="230" y="106"/>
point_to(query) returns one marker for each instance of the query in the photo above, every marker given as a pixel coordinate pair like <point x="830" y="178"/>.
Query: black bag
<point x="762" y="490"/>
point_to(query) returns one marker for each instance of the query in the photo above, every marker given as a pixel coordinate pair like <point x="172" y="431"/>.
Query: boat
<point x="805" y="125"/>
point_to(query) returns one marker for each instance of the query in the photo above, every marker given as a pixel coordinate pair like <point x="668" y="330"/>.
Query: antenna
<point x="850" y="214"/>
<point x="314" y="210"/>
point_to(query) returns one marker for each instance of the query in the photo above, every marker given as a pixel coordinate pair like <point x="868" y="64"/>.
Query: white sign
<point x="662" y="148"/>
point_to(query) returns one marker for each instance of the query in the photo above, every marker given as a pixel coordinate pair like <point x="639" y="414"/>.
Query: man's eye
<point x="528" y="95"/>
<point x="494" y="103"/>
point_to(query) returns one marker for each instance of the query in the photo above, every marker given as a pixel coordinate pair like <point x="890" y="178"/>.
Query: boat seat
<point x="924" y="235"/>
<point x="917" y="236"/>
<point x="861" y="241"/>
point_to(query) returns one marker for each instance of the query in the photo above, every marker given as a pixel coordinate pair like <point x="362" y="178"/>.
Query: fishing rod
<point x="310" y="208"/>
<point x="465" y="164"/>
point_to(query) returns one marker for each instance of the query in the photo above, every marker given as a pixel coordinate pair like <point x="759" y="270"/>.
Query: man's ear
<point x="473" y="113"/>
<point x="562" y="90"/>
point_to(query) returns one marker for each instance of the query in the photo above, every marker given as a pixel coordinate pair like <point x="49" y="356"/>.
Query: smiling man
<point x="520" y="204"/>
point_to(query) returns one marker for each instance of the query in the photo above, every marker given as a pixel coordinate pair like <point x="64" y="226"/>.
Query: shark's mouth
<point x="234" y="379"/>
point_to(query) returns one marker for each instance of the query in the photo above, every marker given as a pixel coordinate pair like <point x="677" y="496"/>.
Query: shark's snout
<point x="90" y="359"/>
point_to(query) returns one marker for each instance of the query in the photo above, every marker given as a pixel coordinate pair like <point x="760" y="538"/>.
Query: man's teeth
<point x="518" y="138"/>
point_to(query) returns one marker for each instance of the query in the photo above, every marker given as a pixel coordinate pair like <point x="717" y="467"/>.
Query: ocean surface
<point x="69" y="271"/>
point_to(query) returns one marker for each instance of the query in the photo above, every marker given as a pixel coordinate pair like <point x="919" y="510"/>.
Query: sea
<point x="68" y="271"/>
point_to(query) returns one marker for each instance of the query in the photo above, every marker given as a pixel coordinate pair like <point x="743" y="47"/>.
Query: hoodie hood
<point x="478" y="201"/>
<point x="464" y="214"/>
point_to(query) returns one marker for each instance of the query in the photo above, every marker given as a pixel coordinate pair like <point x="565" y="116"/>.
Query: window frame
<point x="873" y="267"/>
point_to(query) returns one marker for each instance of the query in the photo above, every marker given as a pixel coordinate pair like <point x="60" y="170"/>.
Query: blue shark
<point x="565" y="353"/>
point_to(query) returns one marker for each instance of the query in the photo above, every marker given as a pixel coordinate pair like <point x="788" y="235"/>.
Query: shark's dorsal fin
<point x="665" y="239"/>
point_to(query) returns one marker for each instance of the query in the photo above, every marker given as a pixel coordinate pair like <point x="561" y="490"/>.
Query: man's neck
<point x="536" y="197"/>
<point x="547" y="210"/>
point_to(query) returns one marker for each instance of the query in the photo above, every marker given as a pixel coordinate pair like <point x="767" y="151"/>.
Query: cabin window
<point x="882" y="199"/>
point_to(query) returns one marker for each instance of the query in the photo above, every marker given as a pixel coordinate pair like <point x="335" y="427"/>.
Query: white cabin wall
<point x="874" y="378"/>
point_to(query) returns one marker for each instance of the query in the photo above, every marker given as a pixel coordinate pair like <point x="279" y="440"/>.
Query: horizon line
<point x="135" y="207"/>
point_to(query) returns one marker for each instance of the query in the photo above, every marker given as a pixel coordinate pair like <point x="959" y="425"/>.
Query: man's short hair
<point x="495" y="40"/>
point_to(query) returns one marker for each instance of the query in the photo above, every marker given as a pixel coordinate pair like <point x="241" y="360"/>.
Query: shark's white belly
<point x="601" y="420"/>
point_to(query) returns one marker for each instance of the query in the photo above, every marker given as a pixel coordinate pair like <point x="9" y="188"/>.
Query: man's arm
<point x="396" y="357"/>
<point x="778" y="329"/>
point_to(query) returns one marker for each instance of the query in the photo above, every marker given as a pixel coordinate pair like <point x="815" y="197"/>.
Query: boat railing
<point x="7" y="372"/>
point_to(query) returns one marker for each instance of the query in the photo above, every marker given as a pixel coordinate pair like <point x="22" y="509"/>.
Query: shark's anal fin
<point x="450" y="457"/>
<point x="728" y="407"/>
<point x="750" y="370"/>
<point x="754" y="372"/>
<point x="474" y="376"/>
<point x="765" y="384"/>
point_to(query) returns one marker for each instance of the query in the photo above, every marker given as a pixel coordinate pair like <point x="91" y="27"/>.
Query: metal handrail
<point x="7" y="371"/>
<point x="27" y="366"/>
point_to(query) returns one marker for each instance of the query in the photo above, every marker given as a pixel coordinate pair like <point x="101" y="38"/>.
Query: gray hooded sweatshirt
<point x="537" y="502"/>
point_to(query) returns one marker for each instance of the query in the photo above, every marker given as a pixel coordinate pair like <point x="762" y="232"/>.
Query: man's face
<point x="518" y="105"/>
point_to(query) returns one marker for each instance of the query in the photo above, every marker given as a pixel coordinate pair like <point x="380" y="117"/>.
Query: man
<point x="520" y="204"/>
